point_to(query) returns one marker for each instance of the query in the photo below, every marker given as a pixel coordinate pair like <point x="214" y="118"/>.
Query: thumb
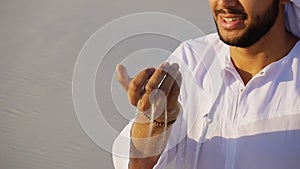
<point x="122" y="76"/>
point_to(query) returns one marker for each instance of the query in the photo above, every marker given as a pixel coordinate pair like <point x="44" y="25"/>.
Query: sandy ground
<point x="39" y="44"/>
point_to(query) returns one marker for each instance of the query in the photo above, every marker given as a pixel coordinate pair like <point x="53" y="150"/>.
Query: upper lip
<point x="231" y="13"/>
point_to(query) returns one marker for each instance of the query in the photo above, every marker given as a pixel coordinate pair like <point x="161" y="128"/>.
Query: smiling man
<point x="232" y="98"/>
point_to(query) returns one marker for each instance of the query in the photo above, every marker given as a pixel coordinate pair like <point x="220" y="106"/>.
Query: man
<point x="242" y="113"/>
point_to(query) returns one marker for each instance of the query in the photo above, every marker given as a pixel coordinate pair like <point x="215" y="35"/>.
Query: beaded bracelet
<point x="157" y="123"/>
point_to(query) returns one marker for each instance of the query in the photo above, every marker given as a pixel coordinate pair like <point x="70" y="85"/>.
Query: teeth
<point x="231" y="19"/>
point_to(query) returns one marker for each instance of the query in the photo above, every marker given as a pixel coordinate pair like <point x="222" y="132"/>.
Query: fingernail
<point x="175" y="66"/>
<point x="118" y="67"/>
<point x="166" y="64"/>
<point x="150" y="70"/>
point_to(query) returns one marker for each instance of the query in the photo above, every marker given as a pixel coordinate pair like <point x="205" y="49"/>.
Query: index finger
<point x="137" y="84"/>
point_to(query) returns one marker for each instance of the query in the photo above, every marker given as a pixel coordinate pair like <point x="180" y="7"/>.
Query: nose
<point x="227" y="3"/>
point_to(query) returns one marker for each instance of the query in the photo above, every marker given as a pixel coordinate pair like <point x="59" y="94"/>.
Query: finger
<point x="168" y="105"/>
<point x="136" y="85"/>
<point x="157" y="77"/>
<point x="153" y="83"/>
<point x="168" y="82"/>
<point x="176" y="86"/>
<point x="122" y="76"/>
<point x="173" y="105"/>
<point x="158" y="97"/>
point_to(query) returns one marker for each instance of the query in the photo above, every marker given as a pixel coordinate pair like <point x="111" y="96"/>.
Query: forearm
<point x="147" y="143"/>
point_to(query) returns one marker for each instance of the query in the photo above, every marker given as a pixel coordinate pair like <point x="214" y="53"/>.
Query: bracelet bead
<point x="157" y="123"/>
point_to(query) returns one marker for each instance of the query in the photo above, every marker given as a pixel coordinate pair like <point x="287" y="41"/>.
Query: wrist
<point x="163" y="122"/>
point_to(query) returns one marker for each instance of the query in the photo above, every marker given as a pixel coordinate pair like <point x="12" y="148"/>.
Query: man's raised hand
<point x="159" y="87"/>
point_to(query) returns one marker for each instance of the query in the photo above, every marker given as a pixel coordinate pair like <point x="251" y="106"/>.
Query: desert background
<point x="40" y="42"/>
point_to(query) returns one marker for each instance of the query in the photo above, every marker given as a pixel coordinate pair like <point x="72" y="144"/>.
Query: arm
<point x="148" y="139"/>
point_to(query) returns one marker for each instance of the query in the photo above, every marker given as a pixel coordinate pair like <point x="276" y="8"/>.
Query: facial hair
<point x="255" y="31"/>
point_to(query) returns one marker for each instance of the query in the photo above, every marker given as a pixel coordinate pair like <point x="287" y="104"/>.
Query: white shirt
<point x="225" y="124"/>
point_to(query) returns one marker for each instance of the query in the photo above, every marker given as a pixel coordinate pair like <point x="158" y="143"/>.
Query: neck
<point x="272" y="47"/>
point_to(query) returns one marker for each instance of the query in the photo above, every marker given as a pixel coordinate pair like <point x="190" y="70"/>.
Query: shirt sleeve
<point x="292" y="17"/>
<point x="120" y="149"/>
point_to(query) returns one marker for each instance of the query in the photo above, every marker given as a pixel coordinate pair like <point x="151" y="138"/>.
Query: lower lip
<point x="237" y="24"/>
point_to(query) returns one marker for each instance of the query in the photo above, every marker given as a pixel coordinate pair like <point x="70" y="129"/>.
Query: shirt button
<point x="262" y="73"/>
<point x="242" y="90"/>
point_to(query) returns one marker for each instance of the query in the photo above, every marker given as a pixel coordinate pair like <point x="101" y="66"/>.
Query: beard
<point x="255" y="31"/>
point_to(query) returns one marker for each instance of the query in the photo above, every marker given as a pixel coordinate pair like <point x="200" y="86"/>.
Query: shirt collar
<point x="228" y="64"/>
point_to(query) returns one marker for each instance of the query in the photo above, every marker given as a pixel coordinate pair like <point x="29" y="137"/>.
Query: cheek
<point x="213" y="4"/>
<point x="256" y="7"/>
